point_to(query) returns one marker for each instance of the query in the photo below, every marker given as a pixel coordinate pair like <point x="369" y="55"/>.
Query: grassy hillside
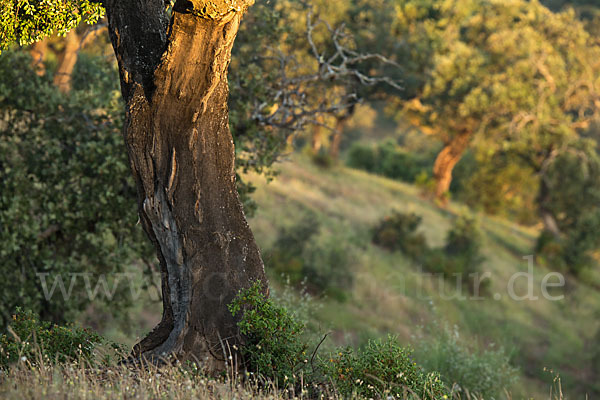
<point x="390" y="295"/>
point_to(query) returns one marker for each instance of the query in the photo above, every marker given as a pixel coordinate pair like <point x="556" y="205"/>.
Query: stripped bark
<point x="38" y="56"/>
<point x="446" y="161"/>
<point x="66" y="62"/>
<point x="174" y="82"/>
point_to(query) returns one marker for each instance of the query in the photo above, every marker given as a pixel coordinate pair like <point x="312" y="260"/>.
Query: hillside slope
<point x="390" y="295"/>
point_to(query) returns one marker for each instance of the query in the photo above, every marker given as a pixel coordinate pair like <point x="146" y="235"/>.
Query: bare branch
<point x="300" y="98"/>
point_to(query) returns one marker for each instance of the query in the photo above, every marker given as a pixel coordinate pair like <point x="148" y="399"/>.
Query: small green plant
<point x="274" y="349"/>
<point x="399" y="232"/>
<point x="382" y="369"/>
<point x="484" y="374"/>
<point x="32" y="340"/>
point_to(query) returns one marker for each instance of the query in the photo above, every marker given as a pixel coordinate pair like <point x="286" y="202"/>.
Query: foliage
<point x="389" y="160"/>
<point x="499" y="185"/>
<point x="287" y="255"/>
<point x="362" y="157"/>
<point x="326" y="269"/>
<point x="382" y="369"/>
<point x="274" y="348"/>
<point x="252" y="78"/>
<point x="399" y="232"/>
<point x="572" y="187"/>
<point x="507" y="75"/>
<point x="27" y="21"/>
<point x="67" y="201"/>
<point x="38" y="341"/>
<point x="572" y="253"/>
<point x="463" y="243"/>
<point x="460" y="257"/>
<point x="298" y="255"/>
<point x="484" y="374"/>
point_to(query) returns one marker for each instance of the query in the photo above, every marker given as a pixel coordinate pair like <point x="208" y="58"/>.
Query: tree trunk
<point x="182" y="156"/>
<point x="547" y="216"/>
<point x="67" y="61"/>
<point x="38" y="56"/>
<point x="445" y="162"/>
<point x="336" y="140"/>
<point x="316" y="140"/>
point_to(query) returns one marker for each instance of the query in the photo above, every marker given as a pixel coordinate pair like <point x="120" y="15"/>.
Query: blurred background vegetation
<point x="489" y="153"/>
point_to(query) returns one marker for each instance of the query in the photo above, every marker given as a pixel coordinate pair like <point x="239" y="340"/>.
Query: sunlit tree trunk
<point x="67" y="61"/>
<point x="445" y="162"/>
<point x="174" y="82"/>
<point x="547" y="216"/>
<point x="38" y="53"/>
<point x="316" y="139"/>
<point x="336" y="139"/>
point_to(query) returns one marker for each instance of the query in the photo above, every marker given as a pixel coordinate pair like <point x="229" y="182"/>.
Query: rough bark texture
<point x="445" y="162"/>
<point x="174" y="82"/>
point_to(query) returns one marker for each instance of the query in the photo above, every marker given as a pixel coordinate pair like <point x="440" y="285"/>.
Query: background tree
<point x="489" y="62"/>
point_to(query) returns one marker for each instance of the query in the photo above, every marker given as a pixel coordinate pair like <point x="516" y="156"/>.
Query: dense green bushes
<point x="34" y="341"/>
<point x="399" y="232"/>
<point x="67" y="199"/>
<point x="459" y="258"/>
<point x="389" y="160"/>
<point x="274" y="348"/>
<point x="276" y="352"/>
<point x="299" y="256"/>
<point x="382" y="369"/>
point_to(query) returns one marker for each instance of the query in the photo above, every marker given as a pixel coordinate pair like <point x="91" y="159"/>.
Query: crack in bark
<point x="158" y="211"/>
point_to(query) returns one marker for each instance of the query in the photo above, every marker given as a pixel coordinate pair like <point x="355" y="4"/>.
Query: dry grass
<point x="73" y="381"/>
<point x="77" y="381"/>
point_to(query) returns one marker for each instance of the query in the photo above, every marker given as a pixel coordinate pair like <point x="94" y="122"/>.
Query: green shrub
<point x="362" y="157"/>
<point x="380" y="370"/>
<point x="274" y="349"/>
<point x="326" y="270"/>
<point x="482" y="373"/>
<point x="460" y="258"/>
<point x="299" y="256"/>
<point x="463" y="244"/>
<point x="29" y="339"/>
<point x="574" y="251"/>
<point x="399" y="232"/>
<point x="389" y="160"/>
